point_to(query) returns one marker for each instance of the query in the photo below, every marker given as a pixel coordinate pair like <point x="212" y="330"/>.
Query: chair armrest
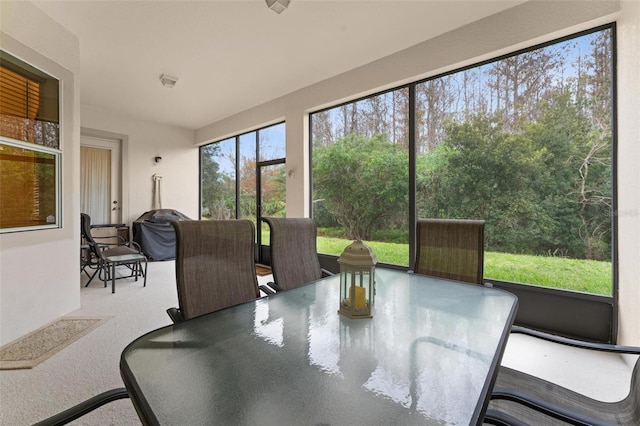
<point x="326" y="273"/>
<point x="108" y="237"/>
<point x="120" y="241"/>
<point x="98" y="246"/>
<point x="576" y="343"/>
<point x="83" y="408"/>
<point x="134" y="245"/>
<point x="268" y="290"/>
<point x="274" y="286"/>
<point x="545" y="407"/>
<point x="175" y="315"/>
<point x="108" y="225"/>
<point x="498" y="418"/>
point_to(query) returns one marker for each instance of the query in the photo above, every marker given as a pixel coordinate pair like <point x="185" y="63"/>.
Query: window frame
<point x="413" y="155"/>
<point x="237" y="139"/>
<point x="57" y="164"/>
<point x="17" y="65"/>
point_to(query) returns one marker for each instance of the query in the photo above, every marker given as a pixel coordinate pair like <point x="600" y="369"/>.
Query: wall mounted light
<point x="157" y="159"/>
<point x="278" y="6"/>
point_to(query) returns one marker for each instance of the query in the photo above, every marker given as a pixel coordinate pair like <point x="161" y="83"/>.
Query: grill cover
<point x="153" y="231"/>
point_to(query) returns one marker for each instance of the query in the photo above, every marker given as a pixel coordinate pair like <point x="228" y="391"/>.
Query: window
<point x="232" y="171"/>
<point x="218" y="180"/>
<point x="524" y="142"/>
<point x="361" y="175"/>
<point x="29" y="147"/>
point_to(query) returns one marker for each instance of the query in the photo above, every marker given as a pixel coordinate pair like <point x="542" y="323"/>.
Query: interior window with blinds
<point x="29" y="147"/>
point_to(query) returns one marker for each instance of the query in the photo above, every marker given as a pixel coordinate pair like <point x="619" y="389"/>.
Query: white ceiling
<point x="232" y="55"/>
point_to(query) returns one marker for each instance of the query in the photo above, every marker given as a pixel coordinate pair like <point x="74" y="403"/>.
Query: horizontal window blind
<point x="19" y="96"/>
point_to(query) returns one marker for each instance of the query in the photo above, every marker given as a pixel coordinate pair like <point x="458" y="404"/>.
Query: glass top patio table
<point x="429" y="355"/>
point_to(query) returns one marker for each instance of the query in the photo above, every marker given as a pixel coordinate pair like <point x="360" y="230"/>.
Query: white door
<point x="100" y="180"/>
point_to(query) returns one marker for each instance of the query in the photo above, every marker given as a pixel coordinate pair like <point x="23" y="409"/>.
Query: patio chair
<point x="294" y="259"/>
<point x="450" y="248"/>
<point x="104" y="257"/>
<point x="215" y="266"/>
<point x="519" y="398"/>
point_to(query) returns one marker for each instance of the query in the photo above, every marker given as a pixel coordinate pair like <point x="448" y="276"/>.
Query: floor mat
<point x="30" y="350"/>
<point x="262" y="270"/>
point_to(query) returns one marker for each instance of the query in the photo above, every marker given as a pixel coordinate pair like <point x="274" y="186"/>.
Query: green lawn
<point x="588" y="276"/>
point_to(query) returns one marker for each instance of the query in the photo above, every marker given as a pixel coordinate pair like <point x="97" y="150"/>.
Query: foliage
<point x="217" y="188"/>
<point x="486" y="175"/>
<point x="544" y="189"/>
<point x="523" y="142"/>
<point x="363" y="182"/>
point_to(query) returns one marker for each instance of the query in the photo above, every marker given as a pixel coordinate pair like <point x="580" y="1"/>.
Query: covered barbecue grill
<point x="154" y="233"/>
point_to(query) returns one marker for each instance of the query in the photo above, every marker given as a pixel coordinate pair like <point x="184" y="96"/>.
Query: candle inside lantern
<point x="361" y="302"/>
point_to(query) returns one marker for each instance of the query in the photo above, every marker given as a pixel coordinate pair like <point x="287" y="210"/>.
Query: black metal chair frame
<point x="552" y="410"/>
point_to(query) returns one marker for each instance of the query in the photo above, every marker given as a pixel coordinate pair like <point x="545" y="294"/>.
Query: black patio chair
<point x="519" y="398"/>
<point x="215" y="266"/>
<point x="103" y="257"/>
<point x="294" y="259"/>
<point x="450" y="248"/>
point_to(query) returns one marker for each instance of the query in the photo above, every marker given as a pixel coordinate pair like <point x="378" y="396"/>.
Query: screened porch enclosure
<point x="524" y="142"/>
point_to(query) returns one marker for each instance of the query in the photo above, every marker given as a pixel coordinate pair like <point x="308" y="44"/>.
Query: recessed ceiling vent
<point x="278" y="6"/>
<point x="168" y="81"/>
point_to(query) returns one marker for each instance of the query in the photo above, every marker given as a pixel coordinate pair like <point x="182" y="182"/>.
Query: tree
<point x="273" y="190"/>
<point x="247" y="182"/>
<point x="486" y="174"/>
<point x="434" y="99"/>
<point x="218" y="189"/>
<point x="557" y="134"/>
<point x="321" y="133"/>
<point x="400" y="118"/>
<point x="520" y="82"/>
<point x="362" y="182"/>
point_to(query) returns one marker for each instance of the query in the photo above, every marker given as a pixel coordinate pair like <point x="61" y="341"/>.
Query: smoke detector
<point x="168" y="81"/>
<point x="278" y="6"/>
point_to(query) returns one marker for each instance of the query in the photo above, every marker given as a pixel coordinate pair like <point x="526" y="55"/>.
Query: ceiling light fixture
<point x="278" y="6"/>
<point x="168" y="81"/>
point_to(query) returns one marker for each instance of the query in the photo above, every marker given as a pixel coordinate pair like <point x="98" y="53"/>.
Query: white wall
<point x="516" y="28"/>
<point x="629" y="172"/>
<point x="142" y="142"/>
<point x="39" y="279"/>
<point x="39" y="270"/>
